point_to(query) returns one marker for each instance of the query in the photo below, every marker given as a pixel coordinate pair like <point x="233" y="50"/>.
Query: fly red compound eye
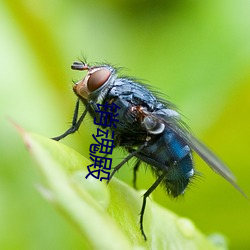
<point x="97" y="79"/>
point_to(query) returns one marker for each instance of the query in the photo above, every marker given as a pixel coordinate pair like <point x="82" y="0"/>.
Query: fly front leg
<point x="75" y="123"/>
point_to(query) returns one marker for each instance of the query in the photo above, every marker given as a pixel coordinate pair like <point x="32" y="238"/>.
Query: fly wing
<point x="174" y="123"/>
<point x="207" y="155"/>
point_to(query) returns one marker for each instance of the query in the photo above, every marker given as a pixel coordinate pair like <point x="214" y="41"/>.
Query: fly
<point x="149" y="128"/>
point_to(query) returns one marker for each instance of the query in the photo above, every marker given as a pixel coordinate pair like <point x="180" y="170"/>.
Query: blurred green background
<point x="195" y="52"/>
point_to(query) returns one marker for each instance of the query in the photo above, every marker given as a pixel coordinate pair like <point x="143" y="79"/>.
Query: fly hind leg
<point x="145" y="196"/>
<point x="136" y="167"/>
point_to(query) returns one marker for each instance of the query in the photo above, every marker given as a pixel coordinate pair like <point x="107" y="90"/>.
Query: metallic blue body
<point x="149" y="128"/>
<point x="165" y="151"/>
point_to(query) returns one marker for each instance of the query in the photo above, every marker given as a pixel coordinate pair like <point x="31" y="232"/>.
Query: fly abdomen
<point x="168" y="153"/>
<point x="178" y="176"/>
<point x="180" y="166"/>
<point x="177" y="147"/>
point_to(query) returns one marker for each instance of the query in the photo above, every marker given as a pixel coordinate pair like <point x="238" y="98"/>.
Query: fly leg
<point x="145" y="196"/>
<point x="75" y="123"/>
<point x="136" y="167"/>
<point x="127" y="158"/>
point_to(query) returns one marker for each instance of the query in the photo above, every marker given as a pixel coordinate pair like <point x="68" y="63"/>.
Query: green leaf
<point x="107" y="215"/>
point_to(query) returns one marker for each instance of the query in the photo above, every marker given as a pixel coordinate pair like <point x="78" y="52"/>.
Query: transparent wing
<point x="174" y="123"/>
<point x="207" y="155"/>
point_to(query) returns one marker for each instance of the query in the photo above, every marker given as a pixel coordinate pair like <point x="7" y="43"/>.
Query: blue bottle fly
<point x="149" y="128"/>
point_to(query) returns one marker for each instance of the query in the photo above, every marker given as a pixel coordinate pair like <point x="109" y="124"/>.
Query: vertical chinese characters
<point x="106" y="116"/>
